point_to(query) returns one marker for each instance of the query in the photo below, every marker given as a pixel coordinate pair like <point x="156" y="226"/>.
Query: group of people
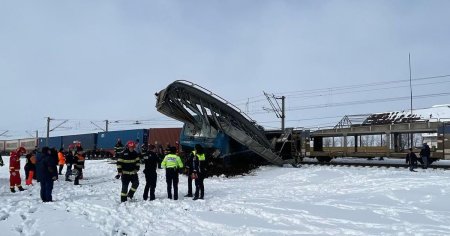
<point x="42" y="165"/>
<point x="411" y="158"/>
<point x="128" y="165"/>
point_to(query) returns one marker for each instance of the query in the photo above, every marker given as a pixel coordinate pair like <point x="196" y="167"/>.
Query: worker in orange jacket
<point x="14" y="169"/>
<point x="61" y="160"/>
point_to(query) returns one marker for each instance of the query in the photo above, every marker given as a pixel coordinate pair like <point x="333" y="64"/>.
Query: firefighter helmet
<point x="131" y="144"/>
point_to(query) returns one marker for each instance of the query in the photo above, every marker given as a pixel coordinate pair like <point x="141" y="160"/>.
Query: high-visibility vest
<point x="172" y="161"/>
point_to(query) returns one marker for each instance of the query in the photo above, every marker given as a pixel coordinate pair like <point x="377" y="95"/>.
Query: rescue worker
<point x="61" y="160"/>
<point x="411" y="159"/>
<point x="30" y="168"/>
<point x="118" y="149"/>
<point x="199" y="171"/>
<point x="127" y="167"/>
<point x="79" y="164"/>
<point x="151" y="164"/>
<point x="70" y="159"/>
<point x="172" y="163"/>
<point x="14" y="169"/>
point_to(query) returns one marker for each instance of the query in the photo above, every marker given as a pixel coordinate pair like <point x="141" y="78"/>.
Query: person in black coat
<point x="425" y="155"/>
<point x="151" y="164"/>
<point x="199" y="171"/>
<point x="46" y="173"/>
<point x="411" y="159"/>
<point x="189" y="160"/>
<point x="70" y="160"/>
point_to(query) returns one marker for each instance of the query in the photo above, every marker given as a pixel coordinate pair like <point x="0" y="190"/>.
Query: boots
<point x="13" y="190"/>
<point x="202" y="192"/>
<point x="21" y="189"/>
<point x="196" y="193"/>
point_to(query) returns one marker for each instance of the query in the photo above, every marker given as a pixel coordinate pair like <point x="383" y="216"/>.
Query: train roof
<point x="435" y="113"/>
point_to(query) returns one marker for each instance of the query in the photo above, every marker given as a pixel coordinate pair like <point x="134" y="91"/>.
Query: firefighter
<point x="79" y="164"/>
<point x="118" y="149"/>
<point x="199" y="171"/>
<point x="14" y="169"/>
<point x="127" y="168"/>
<point x="172" y="163"/>
<point x="151" y="164"/>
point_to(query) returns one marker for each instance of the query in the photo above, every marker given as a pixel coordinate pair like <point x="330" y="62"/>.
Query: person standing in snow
<point x="14" y="169"/>
<point x="61" y="161"/>
<point x="411" y="159"/>
<point x="151" y="164"/>
<point x="425" y="155"/>
<point x="46" y="173"/>
<point x="173" y="164"/>
<point x="70" y="159"/>
<point x="118" y="149"/>
<point x="189" y="160"/>
<point x="199" y="171"/>
<point x="127" y="167"/>
<point x="30" y="168"/>
<point x="79" y="159"/>
<point x="1" y="160"/>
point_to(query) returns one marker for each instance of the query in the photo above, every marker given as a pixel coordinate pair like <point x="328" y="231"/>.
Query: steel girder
<point x="190" y="103"/>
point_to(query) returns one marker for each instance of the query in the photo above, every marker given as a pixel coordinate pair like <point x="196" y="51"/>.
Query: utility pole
<point x="279" y="111"/>
<point x="48" y="131"/>
<point x="410" y="88"/>
<point x="282" y="112"/>
<point x="106" y="124"/>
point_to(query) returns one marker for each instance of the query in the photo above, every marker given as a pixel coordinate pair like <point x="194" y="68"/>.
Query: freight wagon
<point x="107" y="140"/>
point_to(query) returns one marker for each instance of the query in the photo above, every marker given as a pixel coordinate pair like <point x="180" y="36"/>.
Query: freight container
<point x="107" y="140"/>
<point x="53" y="142"/>
<point x="11" y="145"/>
<point x="29" y="143"/>
<point x="88" y="141"/>
<point x="164" y="136"/>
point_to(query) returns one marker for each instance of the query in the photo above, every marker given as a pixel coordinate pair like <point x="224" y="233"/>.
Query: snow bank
<point x="271" y="201"/>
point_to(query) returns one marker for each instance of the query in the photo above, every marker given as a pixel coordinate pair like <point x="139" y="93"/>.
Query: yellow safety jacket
<point x="172" y="161"/>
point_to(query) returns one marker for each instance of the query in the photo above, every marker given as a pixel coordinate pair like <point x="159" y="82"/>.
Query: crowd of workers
<point x="47" y="164"/>
<point x="128" y="165"/>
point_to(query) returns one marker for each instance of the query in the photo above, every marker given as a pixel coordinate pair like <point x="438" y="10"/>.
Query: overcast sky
<point x="97" y="60"/>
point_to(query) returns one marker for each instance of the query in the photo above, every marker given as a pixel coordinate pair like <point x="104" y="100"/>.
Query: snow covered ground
<point x="311" y="200"/>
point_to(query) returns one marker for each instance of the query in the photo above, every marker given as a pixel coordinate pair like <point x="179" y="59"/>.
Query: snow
<point x="311" y="200"/>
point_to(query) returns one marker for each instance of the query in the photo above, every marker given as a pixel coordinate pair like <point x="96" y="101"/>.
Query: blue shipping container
<point x="53" y="142"/>
<point x="88" y="141"/>
<point x="107" y="140"/>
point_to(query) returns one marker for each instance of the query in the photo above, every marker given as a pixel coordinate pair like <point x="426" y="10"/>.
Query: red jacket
<point x="14" y="161"/>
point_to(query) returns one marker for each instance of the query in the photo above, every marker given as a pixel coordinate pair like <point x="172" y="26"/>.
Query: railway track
<point x="373" y="164"/>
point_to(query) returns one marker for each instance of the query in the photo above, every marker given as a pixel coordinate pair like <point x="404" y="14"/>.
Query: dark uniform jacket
<point x="150" y="160"/>
<point x="118" y="150"/>
<point x="411" y="158"/>
<point x="128" y="164"/>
